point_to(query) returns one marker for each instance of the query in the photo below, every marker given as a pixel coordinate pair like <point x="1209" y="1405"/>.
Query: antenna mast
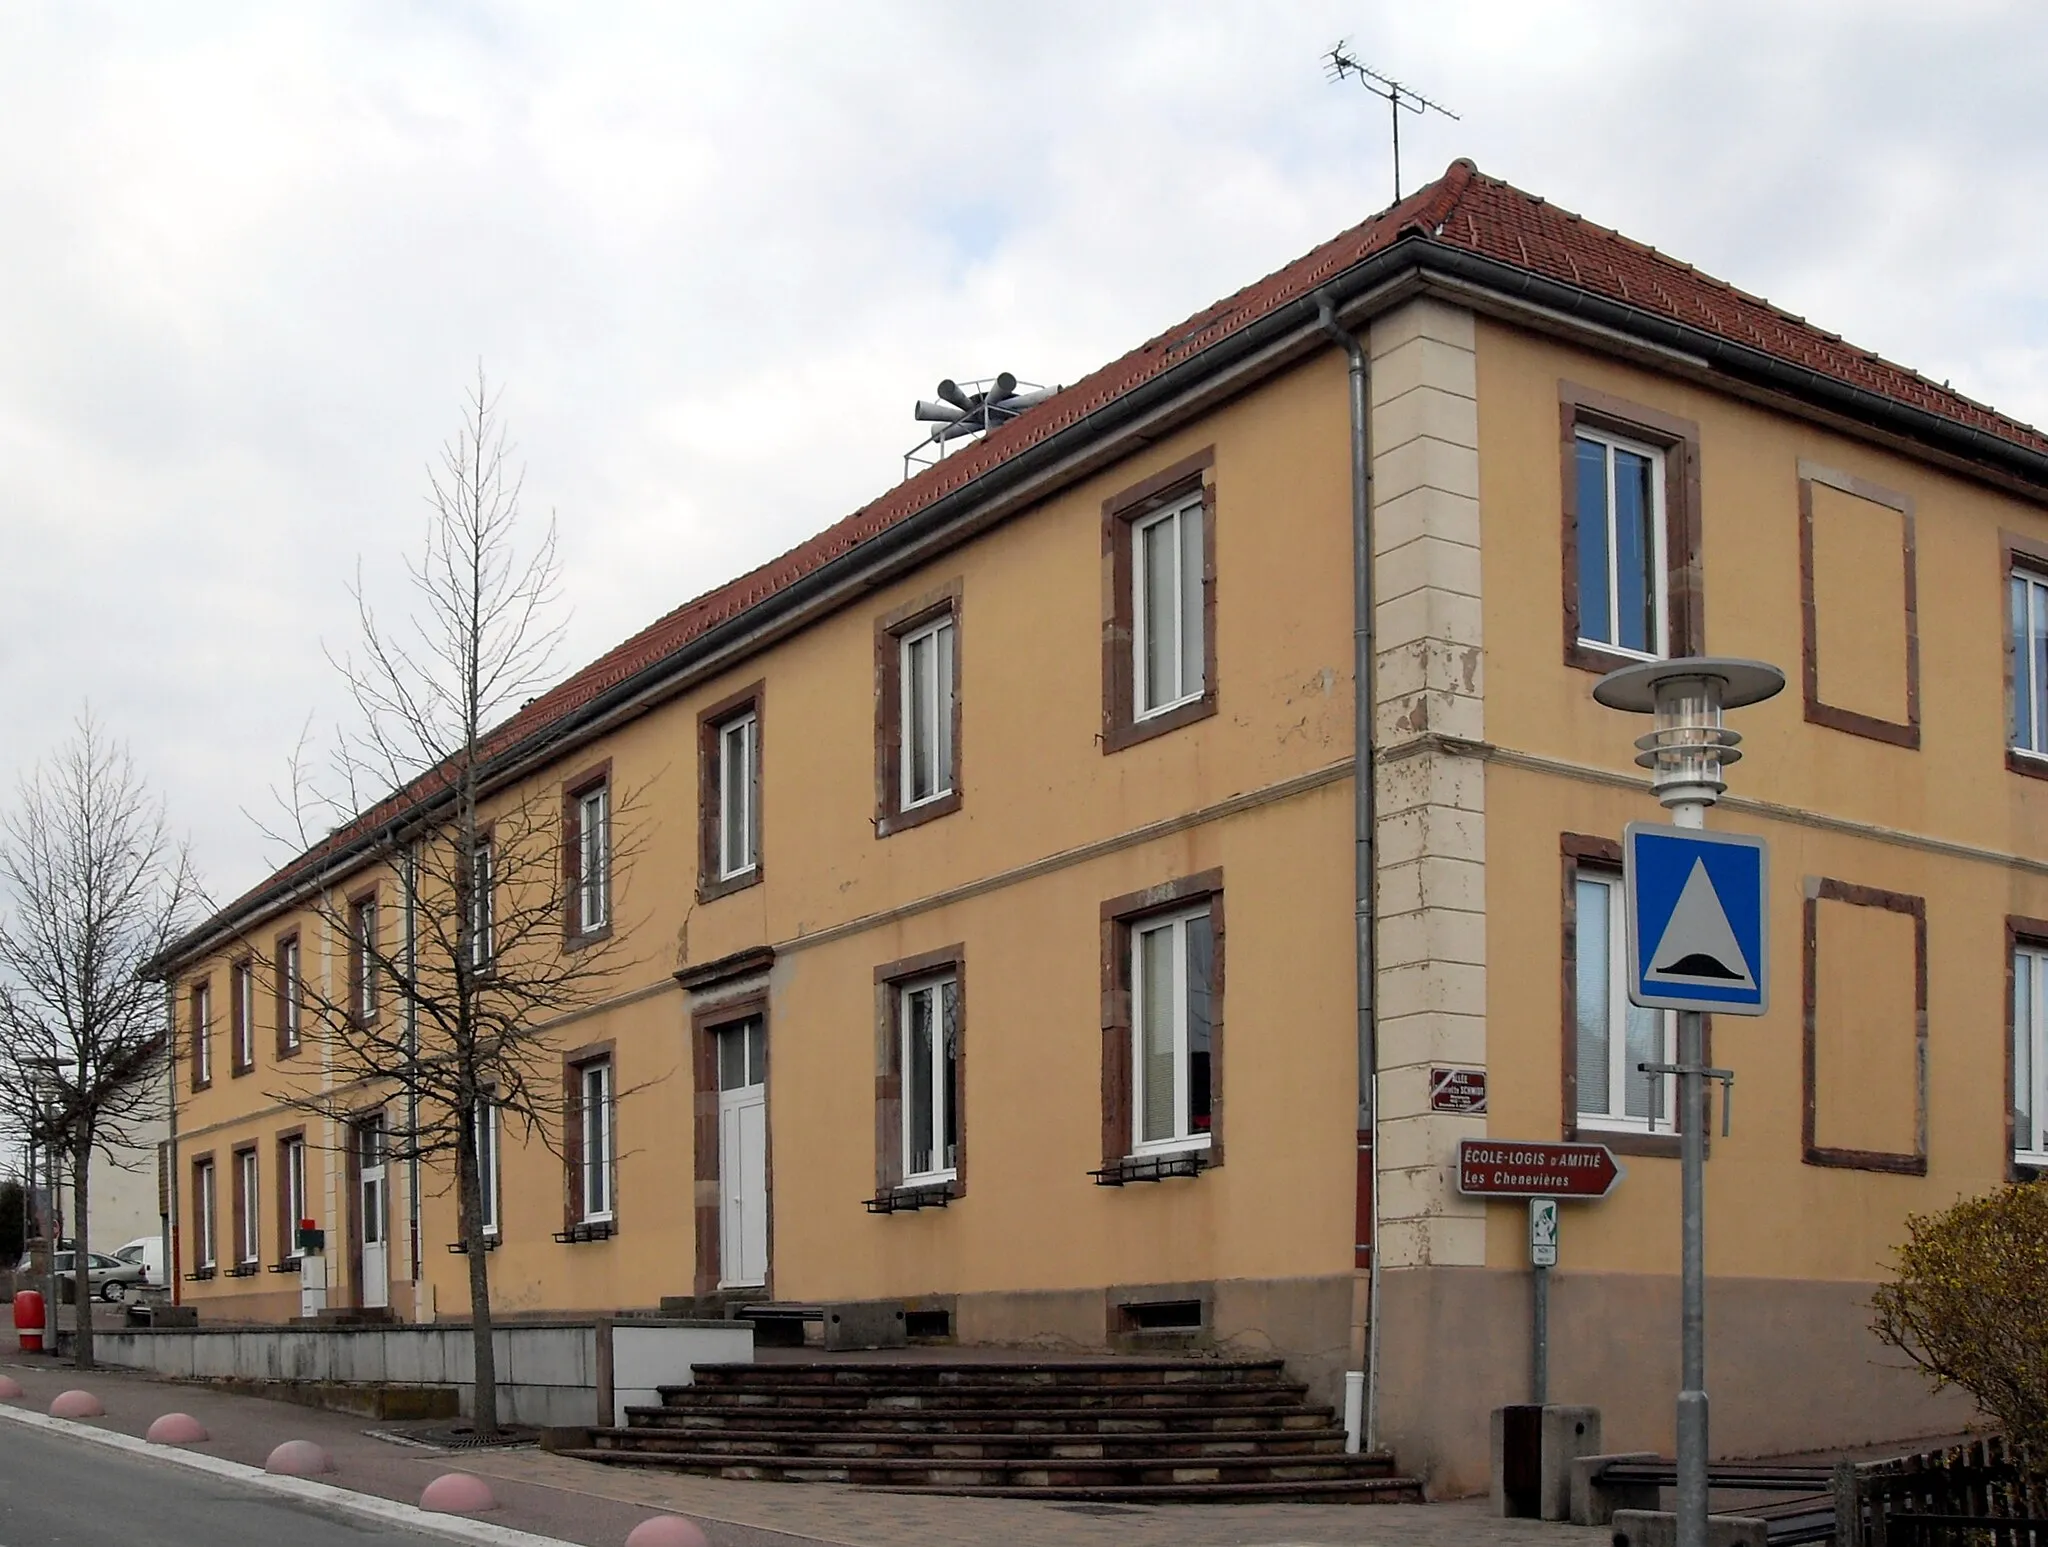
<point x="1344" y="66"/>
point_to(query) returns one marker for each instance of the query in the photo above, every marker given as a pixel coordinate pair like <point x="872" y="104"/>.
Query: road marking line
<point x="364" y="1506"/>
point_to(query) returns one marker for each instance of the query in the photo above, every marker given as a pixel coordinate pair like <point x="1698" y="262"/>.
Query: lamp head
<point x="1689" y="745"/>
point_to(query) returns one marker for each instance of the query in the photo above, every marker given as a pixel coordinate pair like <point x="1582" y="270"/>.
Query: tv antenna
<point x="1344" y="66"/>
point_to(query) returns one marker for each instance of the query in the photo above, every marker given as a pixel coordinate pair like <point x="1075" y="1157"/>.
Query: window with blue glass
<point x="1620" y="507"/>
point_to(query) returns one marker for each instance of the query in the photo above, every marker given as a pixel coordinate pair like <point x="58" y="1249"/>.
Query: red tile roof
<point x="1463" y="209"/>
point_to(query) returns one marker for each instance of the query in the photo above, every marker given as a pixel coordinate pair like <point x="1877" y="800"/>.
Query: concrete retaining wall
<point x="555" y="1373"/>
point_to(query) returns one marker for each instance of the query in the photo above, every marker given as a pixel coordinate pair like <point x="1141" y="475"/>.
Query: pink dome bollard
<point x="177" y="1429"/>
<point x="76" y="1404"/>
<point x="667" y="1531"/>
<point x="299" y="1458"/>
<point x="457" y="1493"/>
<point x="10" y="1388"/>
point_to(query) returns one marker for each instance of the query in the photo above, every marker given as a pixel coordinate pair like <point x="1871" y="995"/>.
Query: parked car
<point x="109" y="1277"/>
<point x="148" y="1250"/>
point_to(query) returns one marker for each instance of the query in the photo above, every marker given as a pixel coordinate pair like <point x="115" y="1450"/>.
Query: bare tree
<point x="94" y="887"/>
<point x="477" y="965"/>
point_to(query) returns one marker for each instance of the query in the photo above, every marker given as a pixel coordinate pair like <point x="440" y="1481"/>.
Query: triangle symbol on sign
<point x="1699" y="945"/>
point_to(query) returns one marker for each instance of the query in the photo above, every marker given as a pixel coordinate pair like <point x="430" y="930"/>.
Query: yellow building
<point x="955" y="814"/>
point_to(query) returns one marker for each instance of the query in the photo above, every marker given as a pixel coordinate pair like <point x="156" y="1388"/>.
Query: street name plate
<point x="1458" y="1090"/>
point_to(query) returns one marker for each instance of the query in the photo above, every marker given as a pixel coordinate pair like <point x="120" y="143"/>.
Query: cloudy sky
<point x="252" y="252"/>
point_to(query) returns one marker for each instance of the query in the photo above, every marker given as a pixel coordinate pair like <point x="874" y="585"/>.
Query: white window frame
<point x="209" y="1217"/>
<point x="243" y="975"/>
<point x="597" y="1183"/>
<point x="1659" y="577"/>
<point x="488" y="1132"/>
<point x="294" y="1163"/>
<point x="939" y="632"/>
<point x="248" y="1178"/>
<point x="2030" y="1051"/>
<point x="289" y="989"/>
<point x="202" y="1032"/>
<point x="741" y="783"/>
<point x="1618" y="1070"/>
<point x="1185" y="1137"/>
<point x="1188" y="612"/>
<point x="2027" y="617"/>
<point x="363" y="946"/>
<point x="482" y="914"/>
<point x="944" y="1096"/>
<point x="594" y="859"/>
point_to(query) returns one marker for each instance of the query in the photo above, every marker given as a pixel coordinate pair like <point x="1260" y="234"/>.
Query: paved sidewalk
<point x="595" y="1506"/>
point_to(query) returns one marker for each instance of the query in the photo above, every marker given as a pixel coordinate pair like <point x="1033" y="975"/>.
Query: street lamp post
<point x="52" y="1085"/>
<point x="1685" y="753"/>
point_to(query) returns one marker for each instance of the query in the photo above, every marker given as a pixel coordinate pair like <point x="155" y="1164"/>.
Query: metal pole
<point x="1394" y="101"/>
<point x="1539" y="1375"/>
<point x="1692" y="1395"/>
<point x="1692" y="1161"/>
<point x="53" y="1228"/>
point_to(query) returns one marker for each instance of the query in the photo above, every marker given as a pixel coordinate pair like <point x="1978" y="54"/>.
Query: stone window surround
<point x="1582" y="850"/>
<point x="1119" y="914"/>
<point x="1120" y="512"/>
<point x="748" y="1001"/>
<point x="574" y="791"/>
<point x="2020" y="932"/>
<point x="2017" y="552"/>
<point x="890" y="980"/>
<point x="1821" y="889"/>
<point x="290" y="994"/>
<point x="1679" y="439"/>
<point x="574" y="1063"/>
<point x="1896" y="733"/>
<point x="711" y="721"/>
<point x="890" y="814"/>
<point x="199" y="1011"/>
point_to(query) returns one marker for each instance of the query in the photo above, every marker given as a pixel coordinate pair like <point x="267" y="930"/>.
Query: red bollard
<point x="28" y="1319"/>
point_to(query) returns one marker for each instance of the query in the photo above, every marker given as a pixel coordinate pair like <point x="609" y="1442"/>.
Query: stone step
<point x="1032" y="1475"/>
<point x="1273" y="1419"/>
<point x="1349" y="1490"/>
<point x="1019" y="1398"/>
<point x="1035" y="1372"/>
<point x="1025" y="1377"/>
<point x="795" y="1443"/>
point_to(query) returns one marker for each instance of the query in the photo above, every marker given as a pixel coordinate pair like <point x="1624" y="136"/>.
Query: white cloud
<point x="254" y="252"/>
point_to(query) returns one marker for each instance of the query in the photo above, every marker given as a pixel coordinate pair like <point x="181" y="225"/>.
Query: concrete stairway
<point x="1125" y="1430"/>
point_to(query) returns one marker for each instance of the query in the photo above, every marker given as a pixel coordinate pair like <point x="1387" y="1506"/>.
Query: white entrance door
<point x="376" y="1216"/>
<point x="743" y="1155"/>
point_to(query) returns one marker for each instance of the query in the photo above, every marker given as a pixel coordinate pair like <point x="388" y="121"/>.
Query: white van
<point x="149" y="1251"/>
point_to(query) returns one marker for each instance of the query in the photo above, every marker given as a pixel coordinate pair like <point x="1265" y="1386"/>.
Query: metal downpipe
<point x="1363" y="820"/>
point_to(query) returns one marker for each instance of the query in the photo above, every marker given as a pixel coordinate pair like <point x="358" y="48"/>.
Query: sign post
<point x="1542" y="1258"/>
<point x="1698" y="932"/>
<point x="1544" y="1174"/>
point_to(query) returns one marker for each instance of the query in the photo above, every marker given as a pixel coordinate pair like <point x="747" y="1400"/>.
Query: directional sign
<point x="1501" y="1168"/>
<point x="1698" y="919"/>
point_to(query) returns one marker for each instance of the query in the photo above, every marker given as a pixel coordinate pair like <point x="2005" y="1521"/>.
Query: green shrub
<point x="1969" y="1305"/>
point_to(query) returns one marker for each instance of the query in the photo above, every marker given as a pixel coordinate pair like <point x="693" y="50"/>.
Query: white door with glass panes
<point x="743" y="1155"/>
<point x="376" y="1211"/>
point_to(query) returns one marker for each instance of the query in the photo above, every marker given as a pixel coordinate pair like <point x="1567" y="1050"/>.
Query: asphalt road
<point x="60" y="1492"/>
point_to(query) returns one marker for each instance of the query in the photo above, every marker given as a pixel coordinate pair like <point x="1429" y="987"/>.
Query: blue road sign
<point x="1698" y="919"/>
